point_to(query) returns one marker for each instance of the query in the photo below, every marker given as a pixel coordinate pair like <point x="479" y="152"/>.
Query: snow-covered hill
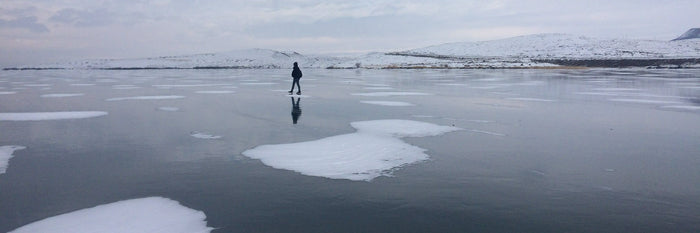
<point x="564" y="46"/>
<point x="540" y="50"/>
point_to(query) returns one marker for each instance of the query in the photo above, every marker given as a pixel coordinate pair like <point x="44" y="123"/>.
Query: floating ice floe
<point x="204" y="135"/>
<point x="154" y="97"/>
<point x="61" y="95"/>
<point x="389" y="93"/>
<point x="151" y="214"/>
<point x="389" y="103"/>
<point x="374" y="150"/>
<point x="6" y="155"/>
<point x="40" y="116"/>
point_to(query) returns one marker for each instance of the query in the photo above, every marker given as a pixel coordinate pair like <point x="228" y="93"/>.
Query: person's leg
<point x="292" y="90"/>
<point x="298" y="86"/>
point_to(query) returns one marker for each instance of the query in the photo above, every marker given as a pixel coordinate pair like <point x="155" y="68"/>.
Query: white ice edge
<point x="389" y="103"/>
<point x="155" y="97"/>
<point x="151" y="214"/>
<point x="61" y="95"/>
<point x="374" y="150"/>
<point x="6" y="155"/>
<point x="40" y="116"/>
<point x="204" y="135"/>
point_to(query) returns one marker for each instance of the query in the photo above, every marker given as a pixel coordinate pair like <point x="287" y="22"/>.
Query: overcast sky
<point x="41" y="31"/>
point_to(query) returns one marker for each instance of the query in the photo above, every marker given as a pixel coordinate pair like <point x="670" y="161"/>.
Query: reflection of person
<point x="296" y="110"/>
<point x="296" y="74"/>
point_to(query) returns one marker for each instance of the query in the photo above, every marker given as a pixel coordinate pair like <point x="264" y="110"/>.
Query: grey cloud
<point x="84" y="18"/>
<point x="25" y="22"/>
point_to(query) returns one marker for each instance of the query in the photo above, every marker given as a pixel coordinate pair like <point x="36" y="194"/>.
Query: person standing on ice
<point x="296" y="74"/>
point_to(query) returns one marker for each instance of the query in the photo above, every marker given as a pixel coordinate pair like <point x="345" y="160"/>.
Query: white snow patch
<point x="374" y="150"/>
<point x="154" y="97"/>
<point x="389" y="103"/>
<point x="125" y="87"/>
<point x="169" y="109"/>
<point x="204" y="135"/>
<point x="389" y="93"/>
<point x="7" y="92"/>
<point x="61" y="95"/>
<point x="6" y="155"/>
<point x="299" y="96"/>
<point x="615" y="89"/>
<point x="151" y="214"/>
<point x="82" y="84"/>
<point x="684" y="107"/>
<point x="37" y="85"/>
<point x="40" y="116"/>
<point x="644" y="101"/>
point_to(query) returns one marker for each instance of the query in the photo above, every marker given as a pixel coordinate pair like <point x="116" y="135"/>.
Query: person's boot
<point x="298" y="92"/>
<point x="290" y="92"/>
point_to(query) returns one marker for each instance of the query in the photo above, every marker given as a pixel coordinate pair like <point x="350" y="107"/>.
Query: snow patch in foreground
<point x="153" y="97"/>
<point x="374" y="150"/>
<point x="389" y="103"/>
<point x="6" y="155"/>
<point x="40" y="116"/>
<point x="7" y="92"/>
<point x="169" y="109"/>
<point x="151" y="214"/>
<point x="61" y="95"/>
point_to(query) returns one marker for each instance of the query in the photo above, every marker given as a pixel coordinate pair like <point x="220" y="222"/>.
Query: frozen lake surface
<point x="597" y="150"/>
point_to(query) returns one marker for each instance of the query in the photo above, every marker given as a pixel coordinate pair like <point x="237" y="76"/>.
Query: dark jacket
<point x="296" y="73"/>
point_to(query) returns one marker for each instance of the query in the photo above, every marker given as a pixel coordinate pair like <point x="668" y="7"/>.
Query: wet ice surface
<point x="6" y="153"/>
<point x="41" y="116"/>
<point x="602" y="150"/>
<point x="152" y="214"/>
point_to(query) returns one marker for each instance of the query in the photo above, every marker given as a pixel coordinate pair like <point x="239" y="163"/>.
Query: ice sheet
<point x="215" y="92"/>
<point x="151" y="214"/>
<point x="154" y="97"/>
<point x="60" y="95"/>
<point x="374" y="150"/>
<point x="6" y="155"/>
<point x="40" y="116"/>
<point x="389" y="103"/>
<point x="531" y="99"/>
<point x="389" y="93"/>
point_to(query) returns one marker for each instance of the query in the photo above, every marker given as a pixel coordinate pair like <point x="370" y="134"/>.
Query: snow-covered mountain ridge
<point x="539" y="50"/>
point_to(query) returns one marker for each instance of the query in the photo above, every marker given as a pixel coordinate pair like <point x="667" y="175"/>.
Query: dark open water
<point x="541" y="150"/>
